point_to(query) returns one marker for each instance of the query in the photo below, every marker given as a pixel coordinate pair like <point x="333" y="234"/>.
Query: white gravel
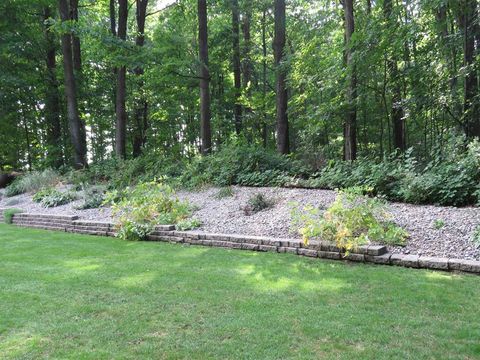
<point x="454" y="239"/>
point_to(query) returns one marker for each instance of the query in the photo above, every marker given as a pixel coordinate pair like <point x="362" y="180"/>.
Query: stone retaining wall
<point x="370" y="254"/>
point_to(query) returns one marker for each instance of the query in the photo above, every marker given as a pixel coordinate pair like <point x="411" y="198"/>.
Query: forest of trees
<point x="82" y="81"/>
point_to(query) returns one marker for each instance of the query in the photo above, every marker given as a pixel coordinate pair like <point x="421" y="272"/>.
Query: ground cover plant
<point x="32" y="182"/>
<point x="353" y="219"/>
<point x="73" y="296"/>
<point x="51" y="197"/>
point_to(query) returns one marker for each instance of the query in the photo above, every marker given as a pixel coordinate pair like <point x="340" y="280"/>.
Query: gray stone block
<point x="428" y="262"/>
<point x="329" y="247"/>
<point x="286" y="249"/>
<point x="267" y="248"/>
<point x="397" y="259"/>
<point x="354" y="257"/>
<point x="464" y="265"/>
<point x="376" y="250"/>
<point x="308" y="252"/>
<point x="410" y="261"/>
<point x="246" y="246"/>
<point x="330" y="255"/>
<point x="382" y="259"/>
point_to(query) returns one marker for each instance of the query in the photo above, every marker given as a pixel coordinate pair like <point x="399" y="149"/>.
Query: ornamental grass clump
<point x="142" y="207"/>
<point x="352" y="220"/>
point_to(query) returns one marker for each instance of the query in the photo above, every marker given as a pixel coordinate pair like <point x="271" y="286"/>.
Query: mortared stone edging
<point x="375" y="254"/>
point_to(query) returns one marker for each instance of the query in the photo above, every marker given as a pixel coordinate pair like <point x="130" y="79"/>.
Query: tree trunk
<point x="470" y="33"/>
<point x="205" y="130"/>
<point x="141" y="107"/>
<point x="76" y="126"/>
<point x="350" y="125"/>
<point x="121" y="112"/>
<point x="281" y="87"/>
<point x="397" y="106"/>
<point x="52" y="100"/>
<point x="247" y="61"/>
<point x="264" y="79"/>
<point x="237" y="109"/>
<point x="77" y="57"/>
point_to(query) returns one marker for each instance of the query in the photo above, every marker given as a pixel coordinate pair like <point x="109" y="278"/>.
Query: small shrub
<point x="93" y="198"/>
<point x="352" y="220"/>
<point x="438" y="224"/>
<point x="224" y="192"/>
<point x="256" y="203"/>
<point x="188" y="224"/>
<point x="52" y="197"/>
<point x="9" y="213"/>
<point x="476" y="236"/>
<point x="142" y="207"/>
<point x="32" y="182"/>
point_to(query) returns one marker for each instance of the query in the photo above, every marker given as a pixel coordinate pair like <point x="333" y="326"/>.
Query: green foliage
<point x="143" y="206"/>
<point x="51" y="197"/>
<point x="224" y="192"/>
<point x="188" y="224"/>
<point x="352" y="220"/>
<point x="237" y="163"/>
<point x="33" y="181"/>
<point x="9" y="213"/>
<point x="438" y="224"/>
<point x="258" y="202"/>
<point x="93" y="198"/>
<point x="476" y="236"/>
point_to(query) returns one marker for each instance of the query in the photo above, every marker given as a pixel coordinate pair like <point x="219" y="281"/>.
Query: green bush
<point x="224" y="192"/>
<point x="32" y="182"/>
<point x="9" y="213"/>
<point x="93" y="198"/>
<point x="352" y="220"/>
<point x="256" y="203"/>
<point x="142" y="207"/>
<point x="51" y="197"/>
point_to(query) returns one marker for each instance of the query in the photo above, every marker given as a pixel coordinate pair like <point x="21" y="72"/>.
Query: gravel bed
<point x="226" y="215"/>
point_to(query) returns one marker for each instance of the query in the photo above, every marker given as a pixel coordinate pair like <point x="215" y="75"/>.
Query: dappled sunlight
<point x="139" y="280"/>
<point x="17" y="345"/>
<point x="81" y="265"/>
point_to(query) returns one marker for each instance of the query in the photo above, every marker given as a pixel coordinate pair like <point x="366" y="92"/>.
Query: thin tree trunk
<point x="205" y="130"/>
<point x="52" y="100"/>
<point x="281" y="86"/>
<point x="76" y="126"/>
<point x="264" y="78"/>
<point x="350" y="125"/>
<point x="237" y="108"/>
<point x="247" y="61"/>
<point x="470" y="34"/>
<point x="397" y="106"/>
<point x="121" y="112"/>
<point x="141" y="109"/>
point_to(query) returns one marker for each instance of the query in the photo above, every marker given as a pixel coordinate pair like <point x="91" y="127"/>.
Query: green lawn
<point x="83" y="297"/>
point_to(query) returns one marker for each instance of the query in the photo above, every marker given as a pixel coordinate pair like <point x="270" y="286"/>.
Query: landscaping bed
<point x="434" y="230"/>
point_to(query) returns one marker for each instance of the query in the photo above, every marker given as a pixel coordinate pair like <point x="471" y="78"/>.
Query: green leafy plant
<point x="353" y="219"/>
<point x="9" y="213"/>
<point x="224" y="192"/>
<point x="142" y="207"/>
<point x="188" y="224"/>
<point x="438" y="224"/>
<point x="93" y="198"/>
<point x="32" y="182"/>
<point x="476" y="236"/>
<point x="51" y="197"/>
<point x="256" y="203"/>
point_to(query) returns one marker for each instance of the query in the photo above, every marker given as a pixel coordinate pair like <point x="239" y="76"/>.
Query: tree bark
<point x="397" y="117"/>
<point x="471" y="32"/>
<point x="350" y="125"/>
<point x="264" y="79"/>
<point x="237" y="109"/>
<point x="76" y="126"/>
<point x="281" y="87"/>
<point x="77" y="55"/>
<point x="205" y="130"/>
<point x="52" y="100"/>
<point x="141" y="108"/>
<point x="247" y="68"/>
<point x="121" y="112"/>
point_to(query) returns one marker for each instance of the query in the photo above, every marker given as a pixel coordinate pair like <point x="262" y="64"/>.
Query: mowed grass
<point x="82" y="297"/>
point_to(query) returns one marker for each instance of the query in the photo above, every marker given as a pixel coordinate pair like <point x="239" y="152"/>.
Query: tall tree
<point x="471" y="33"/>
<point x="397" y="113"/>
<point x="350" y="125"/>
<point x="121" y="112"/>
<point x="141" y="105"/>
<point x="76" y="126"/>
<point x="205" y="130"/>
<point x="283" y="145"/>
<point x="52" y="98"/>
<point x="237" y="110"/>
<point x="247" y="66"/>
